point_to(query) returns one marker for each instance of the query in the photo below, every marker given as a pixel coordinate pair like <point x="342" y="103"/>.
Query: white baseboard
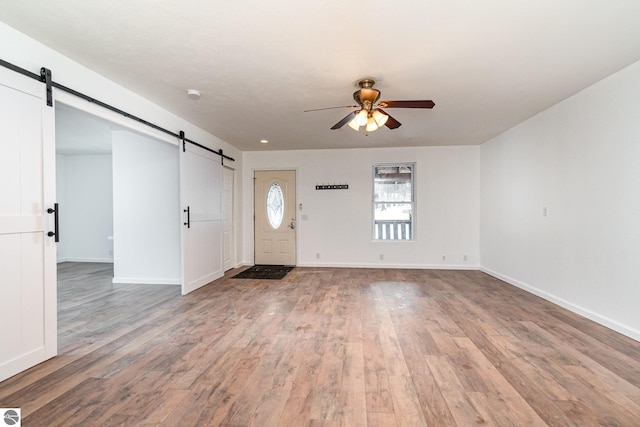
<point x="102" y="260"/>
<point x="145" y="281"/>
<point x="602" y="320"/>
<point x="398" y="266"/>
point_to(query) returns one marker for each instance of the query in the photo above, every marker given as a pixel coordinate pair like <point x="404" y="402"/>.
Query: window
<point x="275" y="205"/>
<point x="393" y="201"/>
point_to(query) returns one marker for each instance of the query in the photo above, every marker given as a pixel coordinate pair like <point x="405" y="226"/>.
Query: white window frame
<point x="377" y="235"/>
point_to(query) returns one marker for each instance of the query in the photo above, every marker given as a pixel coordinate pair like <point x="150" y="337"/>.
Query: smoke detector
<point x="193" y="94"/>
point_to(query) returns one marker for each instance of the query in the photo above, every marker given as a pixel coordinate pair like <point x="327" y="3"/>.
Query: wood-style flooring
<point x="325" y="347"/>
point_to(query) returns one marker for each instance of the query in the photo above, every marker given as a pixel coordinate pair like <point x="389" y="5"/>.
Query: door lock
<point x="292" y="225"/>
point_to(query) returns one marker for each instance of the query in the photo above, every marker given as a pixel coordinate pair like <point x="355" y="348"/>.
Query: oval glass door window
<point x="275" y="205"/>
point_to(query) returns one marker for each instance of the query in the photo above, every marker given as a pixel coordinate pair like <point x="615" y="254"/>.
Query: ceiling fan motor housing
<point x="366" y="96"/>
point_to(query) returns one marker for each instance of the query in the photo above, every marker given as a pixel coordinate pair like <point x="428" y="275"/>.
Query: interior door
<point x="227" y="223"/>
<point x="275" y="217"/>
<point x="201" y="199"/>
<point x="28" y="318"/>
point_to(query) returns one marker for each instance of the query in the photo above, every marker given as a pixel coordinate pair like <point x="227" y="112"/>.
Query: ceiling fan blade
<point x="331" y="108"/>
<point x="407" y="104"/>
<point x="391" y="122"/>
<point x="344" y="121"/>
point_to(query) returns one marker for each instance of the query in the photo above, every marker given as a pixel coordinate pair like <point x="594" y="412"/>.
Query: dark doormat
<point x="274" y="272"/>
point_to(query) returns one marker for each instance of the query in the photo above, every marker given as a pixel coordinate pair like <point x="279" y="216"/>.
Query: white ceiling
<point x="488" y="64"/>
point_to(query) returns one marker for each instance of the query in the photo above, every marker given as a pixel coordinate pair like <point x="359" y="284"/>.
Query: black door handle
<point x="188" y="223"/>
<point x="56" y="231"/>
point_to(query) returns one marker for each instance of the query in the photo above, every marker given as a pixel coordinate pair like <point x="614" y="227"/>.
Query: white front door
<point x="227" y="224"/>
<point x="201" y="200"/>
<point x="28" y="318"/>
<point x="275" y="217"/>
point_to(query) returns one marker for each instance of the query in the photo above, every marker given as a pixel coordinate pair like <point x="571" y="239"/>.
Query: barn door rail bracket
<point x="45" y="77"/>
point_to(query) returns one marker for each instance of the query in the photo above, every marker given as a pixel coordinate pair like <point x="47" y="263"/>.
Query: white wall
<point x="85" y="199"/>
<point x="339" y="221"/>
<point x="579" y="160"/>
<point x="146" y="203"/>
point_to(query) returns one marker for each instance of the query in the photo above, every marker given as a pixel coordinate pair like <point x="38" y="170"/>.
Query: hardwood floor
<point x="325" y="347"/>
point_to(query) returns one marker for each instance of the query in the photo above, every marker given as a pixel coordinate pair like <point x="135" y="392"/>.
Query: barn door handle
<point x="56" y="231"/>
<point x="188" y="223"/>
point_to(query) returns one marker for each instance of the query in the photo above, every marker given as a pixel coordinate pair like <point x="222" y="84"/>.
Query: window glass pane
<point x="392" y="183"/>
<point x="392" y="221"/>
<point x="393" y="201"/>
<point x="275" y="205"/>
<point x="393" y="211"/>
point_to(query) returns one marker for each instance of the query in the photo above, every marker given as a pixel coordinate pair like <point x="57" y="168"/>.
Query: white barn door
<point x="28" y="318"/>
<point x="202" y="234"/>
<point x="227" y="224"/>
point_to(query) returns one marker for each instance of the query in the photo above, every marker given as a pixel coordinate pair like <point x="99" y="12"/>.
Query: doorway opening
<point x="116" y="189"/>
<point x="84" y="187"/>
<point x="118" y="195"/>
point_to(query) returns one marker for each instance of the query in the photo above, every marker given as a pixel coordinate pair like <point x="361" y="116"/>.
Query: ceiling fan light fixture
<point x="380" y="118"/>
<point x="361" y="117"/>
<point x="371" y="125"/>
<point x="353" y="124"/>
<point x="372" y="121"/>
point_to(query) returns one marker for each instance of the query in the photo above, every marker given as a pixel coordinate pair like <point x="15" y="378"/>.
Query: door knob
<point x="292" y="225"/>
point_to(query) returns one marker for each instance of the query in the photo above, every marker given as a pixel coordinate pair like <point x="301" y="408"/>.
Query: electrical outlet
<point x="444" y="257"/>
<point x="381" y="257"/>
<point x="465" y="258"/>
<point x="318" y="255"/>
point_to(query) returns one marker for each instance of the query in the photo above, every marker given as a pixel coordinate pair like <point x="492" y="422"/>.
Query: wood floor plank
<point x="405" y="401"/>
<point x="353" y="400"/>
<point x="379" y="419"/>
<point x="377" y="389"/>
<point x="325" y="347"/>
<point x="171" y="399"/>
<point x="394" y="359"/>
<point x="301" y="398"/>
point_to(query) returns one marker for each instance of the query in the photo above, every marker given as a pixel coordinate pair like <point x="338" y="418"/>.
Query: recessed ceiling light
<point x="264" y="141"/>
<point x="193" y="94"/>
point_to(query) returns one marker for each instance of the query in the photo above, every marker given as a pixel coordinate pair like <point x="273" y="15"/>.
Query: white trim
<point x="234" y="225"/>
<point x="143" y="281"/>
<point x="25" y="361"/>
<point x="398" y="266"/>
<point x="101" y="260"/>
<point x="604" y="321"/>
